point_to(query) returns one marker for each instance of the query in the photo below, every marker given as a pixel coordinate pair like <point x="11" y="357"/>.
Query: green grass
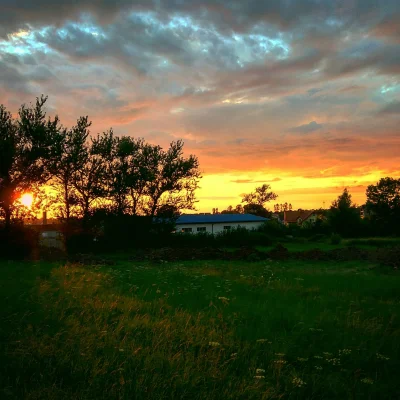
<point x="199" y="330"/>
<point x="304" y="246"/>
<point x="325" y="245"/>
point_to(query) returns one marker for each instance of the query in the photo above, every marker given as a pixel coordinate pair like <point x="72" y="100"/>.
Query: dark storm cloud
<point x="12" y="79"/>
<point x="228" y="14"/>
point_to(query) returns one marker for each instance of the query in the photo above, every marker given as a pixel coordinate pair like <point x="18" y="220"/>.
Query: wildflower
<point x="344" y="352"/>
<point x="280" y="362"/>
<point x="260" y="371"/>
<point x="325" y="353"/>
<point x="223" y="298"/>
<point x="214" y="344"/>
<point x="368" y="381"/>
<point x="381" y="357"/>
<point x="302" y="359"/>
<point x="297" y="382"/>
<point x="233" y="354"/>
<point x="158" y="291"/>
<point x="318" y="367"/>
<point x="121" y="350"/>
<point x="259" y="377"/>
<point x="333" y="361"/>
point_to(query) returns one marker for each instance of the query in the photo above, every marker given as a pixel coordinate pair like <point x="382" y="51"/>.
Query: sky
<point x="302" y="95"/>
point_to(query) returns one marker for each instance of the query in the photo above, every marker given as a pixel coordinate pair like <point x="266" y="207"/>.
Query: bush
<point x="18" y="242"/>
<point x="274" y="229"/>
<point x="336" y="239"/>
<point x="319" y="237"/>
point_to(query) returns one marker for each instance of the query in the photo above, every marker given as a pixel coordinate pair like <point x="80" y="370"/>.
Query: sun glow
<point x="27" y="199"/>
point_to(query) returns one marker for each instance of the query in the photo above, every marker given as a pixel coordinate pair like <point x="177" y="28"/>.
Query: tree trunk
<point x="7" y="211"/>
<point x="66" y="202"/>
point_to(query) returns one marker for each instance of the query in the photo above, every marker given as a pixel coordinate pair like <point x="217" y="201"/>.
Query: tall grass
<point x="199" y="330"/>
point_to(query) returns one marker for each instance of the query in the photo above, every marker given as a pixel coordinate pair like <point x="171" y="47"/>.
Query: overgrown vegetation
<point x="196" y="330"/>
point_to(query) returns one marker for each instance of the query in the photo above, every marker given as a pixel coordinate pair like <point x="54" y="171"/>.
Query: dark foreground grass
<point x="199" y="330"/>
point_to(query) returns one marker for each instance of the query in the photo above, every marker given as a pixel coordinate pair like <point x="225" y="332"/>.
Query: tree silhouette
<point x="69" y="156"/>
<point x="260" y="196"/>
<point x="174" y="179"/>
<point x="383" y="204"/>
<point x="344" y="217"/>
<point x="25" y="148"/>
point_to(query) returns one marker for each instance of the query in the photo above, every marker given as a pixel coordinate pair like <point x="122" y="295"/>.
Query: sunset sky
<point x="303" y="95"/>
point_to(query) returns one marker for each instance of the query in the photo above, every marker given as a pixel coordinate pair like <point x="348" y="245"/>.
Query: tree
<point x="344" y="217"/>
<point x="25" y="149"/>
<point x="260" y="196"/>
<point x="126" y="165"/>
<point x="173" y="179"/>
<point x="88" y="182"/>
<point x="383" y="204"/>
<point x="230" y="210"/>
<point x="256" y="200"/>
<point x="69" y="155"/>
<point x="256" y="209"/>
<point x="239" y="209"/>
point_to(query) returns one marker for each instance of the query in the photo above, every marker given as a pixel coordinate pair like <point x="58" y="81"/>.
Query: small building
<point x="215" y="223"/>
<point x="299" y="217"/>
<point x="50" y="235"/>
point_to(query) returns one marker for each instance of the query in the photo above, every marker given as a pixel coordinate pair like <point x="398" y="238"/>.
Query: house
<point x="215" y="223"/>
<point x="299" y="217"/>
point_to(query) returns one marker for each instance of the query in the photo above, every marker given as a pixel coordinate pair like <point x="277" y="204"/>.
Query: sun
<point x="27" y="199"/>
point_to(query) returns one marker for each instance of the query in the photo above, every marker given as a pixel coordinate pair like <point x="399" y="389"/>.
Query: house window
<point x="201" y="229"/>
<point x="227" y="228"/>
<point x="186" y="230"/>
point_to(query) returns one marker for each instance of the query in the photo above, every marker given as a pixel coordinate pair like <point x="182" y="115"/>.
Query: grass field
<point x="199" y="330"/>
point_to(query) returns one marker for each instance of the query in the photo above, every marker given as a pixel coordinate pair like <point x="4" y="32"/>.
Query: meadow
<point x="199" y="330"/>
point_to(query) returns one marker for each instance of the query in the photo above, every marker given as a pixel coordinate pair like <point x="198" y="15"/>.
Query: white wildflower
<point x="333" y="361"/>
<point x="368" y="381"/>
<point x="214" y="344"/>
<point x="381" y="357"/>
<point x="259" y="377"/>
<point x="318" y="367"/>
<point x="301" y="359"/>
<point x="297" y="382"/>
<point x="260" y="371"/>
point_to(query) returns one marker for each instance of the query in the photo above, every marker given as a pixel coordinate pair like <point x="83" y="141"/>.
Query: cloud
<point x="306" y="128"/>
<point x="254" y="181"/>
<point x="231" y="78"/>
<point x="391" y="108"/>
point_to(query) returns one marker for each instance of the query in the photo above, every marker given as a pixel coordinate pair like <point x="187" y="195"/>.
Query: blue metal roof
<point x="218" y="218"/>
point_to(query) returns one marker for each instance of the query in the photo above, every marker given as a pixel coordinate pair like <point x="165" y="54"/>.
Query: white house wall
<point x="219" y="227"/>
